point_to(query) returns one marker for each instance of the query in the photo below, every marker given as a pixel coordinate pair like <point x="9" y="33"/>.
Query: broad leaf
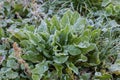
<point x="59" y="69"/>
<point x="55" y="23"/>
<point x="79" y="26"/>
<point x="73" y="50"/>
<point x="39" y="70"/>
<point x="60" y="59"/>
<point x="73" y="67"/>
<point x="65" y="20"/>
<point x="74" y="18"/>
<point x="83" y="44"/>
<point x="105" y="2"/>
<point x="32" y="56"/>
<point x="81" y="58"/>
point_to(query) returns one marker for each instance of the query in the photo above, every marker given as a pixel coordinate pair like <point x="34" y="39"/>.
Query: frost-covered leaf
<point x="11" y="63"/>
<point x="39" y="70"/>
<point x="83" y="44"/>
<point x="36" y="77"/>
<point x="32" y="56"/>
<point x="65" y="19"/>
<point x="72" y="50"/>
<point x="11" y="75"/>
<point x="19" y="34"/>
<point x="74" y="18"/>
<point x="102" y="76"/>
<point x="55" y="22"/>
<point x="42" y="27"/>
<point x="105" y="2"/>
<point x="79" y="26"/>
<point x="60" y="59"/>
<point x="114" y="68"/>
<point x="88" y="49"/>
<point x="85" y="76"/>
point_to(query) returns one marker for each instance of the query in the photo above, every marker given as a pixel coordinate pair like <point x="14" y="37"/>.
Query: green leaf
<point x="117" y="8"/>
<point x="95" y="34"/>
<point x="36" y="77"/>
<point x="85" y="76"/>
<point x="113" y="23"/>
<point x="79" y="26"/>
<point x="115" y="68"/>
<point x="25" y="43"/>
<point x="39" y="70"/>
<point x="11" y="75"/>
<point x="33" y="38"/>
<point x="47" y="54"/>
<point x="19" y="34"/>
<point x="42" y="27"/>
<point x="11" y="63"/>
<point x="72" y="50"/>
<point x="93" y="58"/>
<point x="69" y="13"/>
<point x="82" y="58"/>
<point x="109" y="9"/>
<point x="40" y="47"/>
<point x="55" y="22"/>
<point x="55" y="38"/>
<point x="32" y="56"/>
<point x="100" y="76"/>
<point x="72" y="67"/>
<point x="83" y="44"/>
<point x="7" y="6"/>
<point x="76" y="40"/>
<point x="74" y="18"/>
<point x="30" y="27"/>
<point x="18" y="7"/>
<point x="88" y="49"/>
<point x="65" y="77"/>
<point x="60" y="59"/>
<point x="44" y="36"/>
<point x="59" y="69"/>
<point x="105" y="2"/>
<point x="65" y="19"/>
<point x="63" y="35"/>
<point x="2" y="34"/>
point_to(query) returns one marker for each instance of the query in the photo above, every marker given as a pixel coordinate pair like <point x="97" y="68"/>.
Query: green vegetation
<point x="59" y="40"/>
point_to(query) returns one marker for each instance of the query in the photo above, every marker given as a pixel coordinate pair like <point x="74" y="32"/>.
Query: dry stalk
<point x="17" y="55"/>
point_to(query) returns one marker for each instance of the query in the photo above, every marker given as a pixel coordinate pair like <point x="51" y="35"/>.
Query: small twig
<point x="18" y="15"/>
<point x="2" y="58"/>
